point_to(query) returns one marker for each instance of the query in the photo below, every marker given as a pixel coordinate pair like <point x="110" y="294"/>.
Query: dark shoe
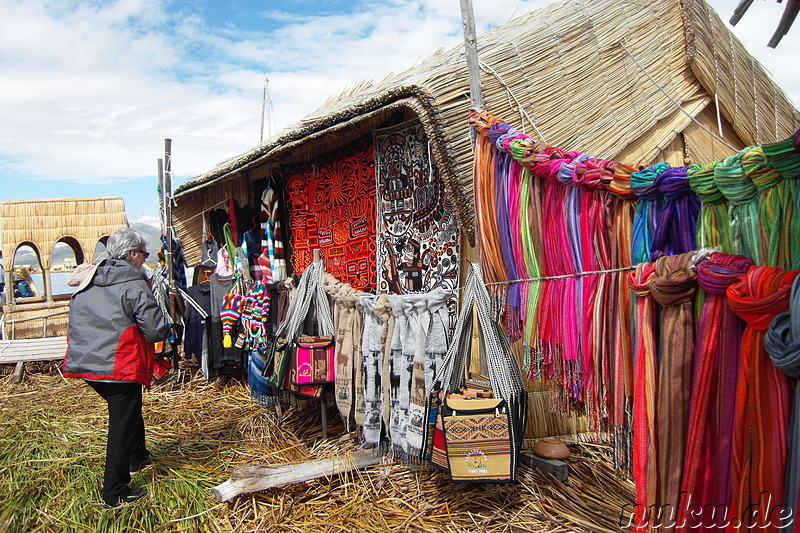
<point x="134" y="495"/>
<point x="136" y="466"/>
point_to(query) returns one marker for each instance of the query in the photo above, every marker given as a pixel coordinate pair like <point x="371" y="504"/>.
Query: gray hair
<point x="123" y="241"/>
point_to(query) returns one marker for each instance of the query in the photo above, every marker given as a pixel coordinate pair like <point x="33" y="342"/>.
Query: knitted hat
<point x="229" y="313"/>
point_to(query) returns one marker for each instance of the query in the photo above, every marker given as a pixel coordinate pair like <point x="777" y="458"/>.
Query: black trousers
<point x="125" y="445"/>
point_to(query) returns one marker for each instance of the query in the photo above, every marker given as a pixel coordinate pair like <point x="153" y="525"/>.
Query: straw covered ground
<point x="52" y="442"/>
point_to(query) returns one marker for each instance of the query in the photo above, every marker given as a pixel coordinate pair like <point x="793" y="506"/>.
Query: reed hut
<point x="80" y="223"/>
<point x="630" y="82"/>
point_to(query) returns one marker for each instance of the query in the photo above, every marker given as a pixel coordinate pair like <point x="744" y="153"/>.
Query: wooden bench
<point x="21" y="351"/>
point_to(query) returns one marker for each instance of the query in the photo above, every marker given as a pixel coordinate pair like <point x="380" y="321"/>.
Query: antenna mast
<point x="266" y="109"/>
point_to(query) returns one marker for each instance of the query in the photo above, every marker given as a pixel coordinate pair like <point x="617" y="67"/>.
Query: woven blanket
<point x="332" y="207"/>
<point x="418" y="236"/>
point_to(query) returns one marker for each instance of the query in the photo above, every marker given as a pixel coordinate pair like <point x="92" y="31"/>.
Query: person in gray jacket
<point x="114" y="320"/>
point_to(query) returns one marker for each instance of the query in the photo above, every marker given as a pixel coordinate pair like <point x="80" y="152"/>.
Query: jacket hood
<point x="115" y="271"/>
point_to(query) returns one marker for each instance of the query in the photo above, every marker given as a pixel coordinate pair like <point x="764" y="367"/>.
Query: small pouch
<point x="313" y="361"/>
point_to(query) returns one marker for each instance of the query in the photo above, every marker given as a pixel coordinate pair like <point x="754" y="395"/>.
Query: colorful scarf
<point x="429" y="311"/>
<point x="713" y="230"/>
<point x="742" y="194"/>
<point x="676" y="232"/>
<point x="673" y="287"/>
<point x="761" y="414"/>
<point x="645" y="438"/>
<point x="776" y="209"/>
<point x="645" y="184"/>
<point x="782" y="342"/>
<point x="706" y="471"/>
<point x="371" y="352"/>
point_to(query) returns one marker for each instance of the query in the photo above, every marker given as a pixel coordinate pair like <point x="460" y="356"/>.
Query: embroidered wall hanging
<point x="418" y="235"/>
<point x="332" y="207"/>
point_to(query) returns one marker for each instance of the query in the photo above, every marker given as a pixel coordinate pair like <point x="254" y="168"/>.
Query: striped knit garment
<point x="272" y="235"/>
<point x="761" y="411"/>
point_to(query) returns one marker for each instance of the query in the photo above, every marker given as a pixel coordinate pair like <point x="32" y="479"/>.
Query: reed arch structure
<point x="41" y="224"/>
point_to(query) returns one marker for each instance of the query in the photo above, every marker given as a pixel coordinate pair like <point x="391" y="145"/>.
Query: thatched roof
<point x="42" y="223"/>
<point x="619" y="80"/>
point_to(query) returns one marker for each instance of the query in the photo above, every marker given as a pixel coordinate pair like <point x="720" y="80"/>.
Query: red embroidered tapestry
<point x="332" y="207"/>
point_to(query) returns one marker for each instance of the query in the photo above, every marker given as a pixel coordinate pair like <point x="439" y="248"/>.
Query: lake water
<point x="58" y="279"/>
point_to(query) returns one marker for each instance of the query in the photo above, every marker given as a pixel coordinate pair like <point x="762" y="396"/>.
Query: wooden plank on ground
<point x="253" y="478"/>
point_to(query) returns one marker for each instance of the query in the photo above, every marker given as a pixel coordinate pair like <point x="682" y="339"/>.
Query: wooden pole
<point x="253" y="478"/>
<point x="471" y="51"/>
<point x="168" y="234"/>
<point x="263" y="107"/>
<point x="168" y="205"/>
<point x="168" y="216"/>
<point x="161" y="217"/>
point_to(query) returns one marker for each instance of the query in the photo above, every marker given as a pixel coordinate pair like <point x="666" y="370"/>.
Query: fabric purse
<point x="477" y="436"/>
<point x="313" y="360"/>
<point x="481" y="437"/>
<point x="293" y="361"/>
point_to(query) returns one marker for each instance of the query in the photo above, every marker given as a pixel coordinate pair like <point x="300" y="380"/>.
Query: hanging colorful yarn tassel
<point x="761" y="414"/>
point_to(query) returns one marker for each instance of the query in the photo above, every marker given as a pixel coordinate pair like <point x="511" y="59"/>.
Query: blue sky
<point x="89" y="89"/>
